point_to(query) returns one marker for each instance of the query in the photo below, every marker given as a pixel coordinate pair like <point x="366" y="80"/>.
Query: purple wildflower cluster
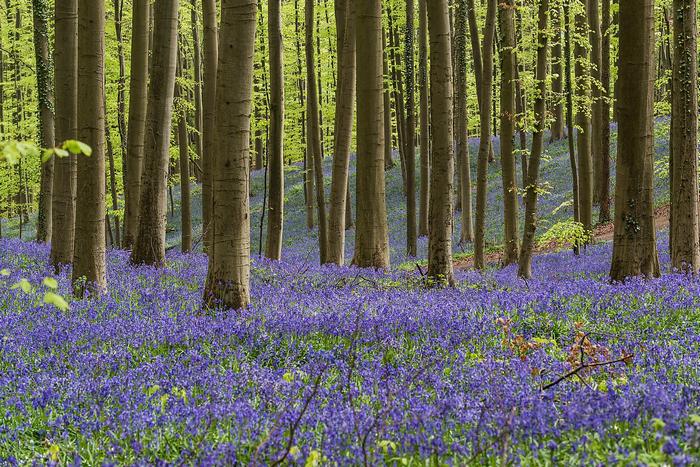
<point x="347" y="366"/>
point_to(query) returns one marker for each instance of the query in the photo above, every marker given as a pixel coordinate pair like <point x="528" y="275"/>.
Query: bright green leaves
<point x="50" y="297"/>
<point x="11" y="152"/>
<point x="77" y="147"/>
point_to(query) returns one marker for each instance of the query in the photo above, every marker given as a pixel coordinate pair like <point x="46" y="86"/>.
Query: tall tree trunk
<point x="634" y="244"/>
<point x="308" y="167"/>
<point x="507" y="122"/>
<point x="138" y="96"/>
<point x="45" y="94"/>
<point x="345" y="98"/>
<point x="685" y="251"/>
<point x="121" y="85"/>
<point x="114" y="239"/>
<point x="89" y="268"/>
<point x="442" y="174"/>
<point x="484" y="134"/>
<point x="411" y="229"/>
<point x="604" y="213"/>
<point x="209" y="85"/>
<point x="461" y="126"/>
<point x="228" y="277"/>
<point x="371" y="232"/>
<point x="531" y="185"/>
<point x="314" y="131"/>
<point x="198" y="110"/>
<point x="150" y="240"/>
<point x="557" y="128"/>
<point x="570" y="114"/>
<point x="275" y="211"/>
<point x="424" y="118"/>
<point x="596" y="99"/>
<point x="183" y="140"/>
<point x="65" y="168"/>
<point x="397" y="80"/>
<point x="388" y="124"/>
<point x="583" y="119"/>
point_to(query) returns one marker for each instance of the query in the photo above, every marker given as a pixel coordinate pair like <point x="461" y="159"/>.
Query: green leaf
<point x="50" y="282"/>
<point x="24" y="285"/>
<point x="4" y="272"/>
<point x="77" y="147"/>
<point x="47" y="155"/>
<point x="152" y="390"/>
<point x="56" y="300"/>
<point x="288" y="376"/>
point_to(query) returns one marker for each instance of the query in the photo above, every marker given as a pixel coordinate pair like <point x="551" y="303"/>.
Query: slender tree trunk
<point x="442" y="174"/>
<point x="424" y="118"/>
<point x="531" y="185"/>
<point x="314" y="131"/>
<point x="507" y="122"/>
<point x="388" y="125"/>
<point x="371" y="233"/>
<point x="150" y="240"/>
<point x="65" y="168"/>
<point x="604" y="213"/>
<point x="345" y="92"/>
<point x="209" y="85"/>
<point x="228" y="278"/>
<point x="685" y="251"/>
<point x="557" y="129"/>
<point x="484" y="134"/>
<point x="583" y="119"/>
<point x="121" y="85"/>
<point x="114" y="239"/>
<point x="275" y="211"/>
<point x="138" y="93"/>
<point x="461" y="126"/>
<point x="596" y="99"/>
<point x="308" y="166"/>
<point x="45" y="93"/>
<point x="183" y="140"/>
<point x="411" y="228"/>
<point x="634" y="244"/>
<point x="397" y="79"/>
<point x="89" y="268"/>
<point x="198" y="105"/>
<point x="570" y="114"/>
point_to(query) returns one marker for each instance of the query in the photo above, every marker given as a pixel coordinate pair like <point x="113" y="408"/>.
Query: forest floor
<point x="601" y="234"/>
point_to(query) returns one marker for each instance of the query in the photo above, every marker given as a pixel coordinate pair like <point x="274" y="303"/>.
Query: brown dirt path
<point x="602" y="233"/>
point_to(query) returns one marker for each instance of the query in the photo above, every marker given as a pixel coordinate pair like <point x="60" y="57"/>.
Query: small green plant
<point x="568" y="232"/>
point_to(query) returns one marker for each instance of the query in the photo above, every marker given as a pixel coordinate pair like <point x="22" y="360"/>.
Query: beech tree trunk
<point x="209" y="85"/>
<point x="45" y="94"/>
<point x="604" y="213"/>
<point x="484" y="134"/>
<point x="442" y="174"/>
<point x="388" y="124"/>
<point x="596" y="99"/>
<point x="345" y="99"/>
<point x="685" y="250"/>
<point x="557" y="128"/>
<point x="89" y="268"/>
<point x="275" y="210"/>
<point x="198" y="111"/>
<point x="183" y="140"/>
<point x="411" y="229"/>
<point x="371" y="232"/>
<point x="228" y="277"/>
<point x="634" y="244"/>
<point x="570" y="114"/>
<point x="461" y="125"/>
<point x="507" y="123"/>
<point x="583" y="119"/>
<point x="65" y="168"/>
<point x="531" y="185"/>
<point x="149" y="247"/>
<point x="424" y="118"/>
<point x="313" y="131"/>
<point x="138" y="98"/>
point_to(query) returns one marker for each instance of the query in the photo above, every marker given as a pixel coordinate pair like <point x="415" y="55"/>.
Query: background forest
<point x="349" y="232"/>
